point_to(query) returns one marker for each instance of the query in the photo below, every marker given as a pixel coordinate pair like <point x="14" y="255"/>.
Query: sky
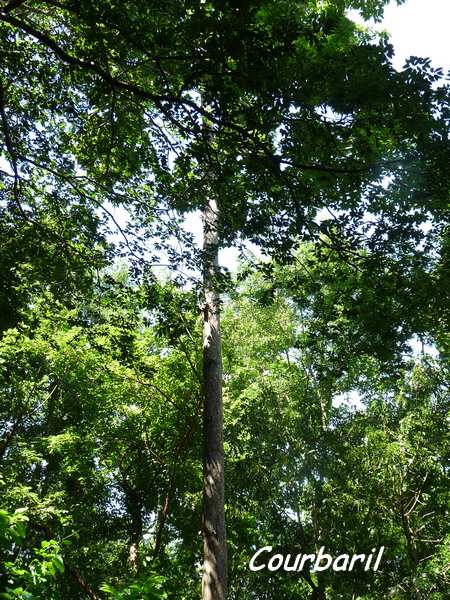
<point x="420" y="28"/>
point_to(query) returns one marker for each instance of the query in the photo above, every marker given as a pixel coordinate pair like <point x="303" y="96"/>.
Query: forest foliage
<point x="335" y="339"/>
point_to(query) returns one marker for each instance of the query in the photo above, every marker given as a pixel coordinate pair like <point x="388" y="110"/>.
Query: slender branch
<point x="171" y="487"/>
<point x="10" y="148"/>
<point x="82" y="583"/>
<point x="66" y="57"/>
<point x="73" y="572"/>
<point x="24" y="412"/>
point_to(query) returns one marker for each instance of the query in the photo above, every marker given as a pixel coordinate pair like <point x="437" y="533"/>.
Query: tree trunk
<point x="214" y="536"/>
<point x="134" y="508"/>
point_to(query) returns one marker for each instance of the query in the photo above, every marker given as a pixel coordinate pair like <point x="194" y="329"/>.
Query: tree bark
<point x="214" y="581"/>
<point x="134" y="508"/>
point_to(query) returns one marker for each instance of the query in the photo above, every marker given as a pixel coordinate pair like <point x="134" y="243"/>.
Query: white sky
<point x="419" y="28"/>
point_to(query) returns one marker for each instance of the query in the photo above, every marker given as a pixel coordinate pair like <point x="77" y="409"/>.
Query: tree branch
<point x="92" y="67"/>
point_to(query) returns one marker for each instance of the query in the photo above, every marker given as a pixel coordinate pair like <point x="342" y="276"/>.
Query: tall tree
<point x="215" y="550"/>
<point x="306" y="112"/>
